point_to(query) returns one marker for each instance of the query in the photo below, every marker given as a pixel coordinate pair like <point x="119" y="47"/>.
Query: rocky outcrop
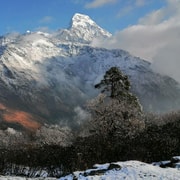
<point x="174" y="162"/>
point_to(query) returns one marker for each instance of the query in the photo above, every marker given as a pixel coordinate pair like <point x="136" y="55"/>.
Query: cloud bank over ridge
<point x="155" y="38"/>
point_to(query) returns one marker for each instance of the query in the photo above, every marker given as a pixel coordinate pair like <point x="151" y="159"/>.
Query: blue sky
<point x="113" y="15"/>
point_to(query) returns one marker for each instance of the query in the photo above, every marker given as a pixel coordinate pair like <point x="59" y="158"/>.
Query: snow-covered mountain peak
<point x="82" y="20"/>
<point x="82" y="30"/>
<point x="83" y="23"/>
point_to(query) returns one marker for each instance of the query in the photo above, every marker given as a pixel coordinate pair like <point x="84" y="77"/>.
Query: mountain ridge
<point x="49" y="75"/>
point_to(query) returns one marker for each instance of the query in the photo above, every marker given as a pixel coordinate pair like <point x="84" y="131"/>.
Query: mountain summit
<point x="81" y="20"/>
<point x="85" y="24"/>
<point x="83" y="30"/>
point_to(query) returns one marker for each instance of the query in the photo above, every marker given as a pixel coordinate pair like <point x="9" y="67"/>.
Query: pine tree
<point x="117" y="85"/>
<point x="114" y="82"/>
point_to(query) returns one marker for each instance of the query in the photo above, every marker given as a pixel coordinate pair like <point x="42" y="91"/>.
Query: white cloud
<point x="46" y="20"/>
<point x="44" y="29"/>
<point x="99" y="3"/>
<point x="125" y="11"/>
<point x="131" y="5"/>
<point x="153" y="18"/>
<point x="140" y="3"/>
<point x="155" y="38"/>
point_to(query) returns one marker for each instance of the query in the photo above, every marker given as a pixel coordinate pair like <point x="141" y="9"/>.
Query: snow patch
<point x="130" y="170"/>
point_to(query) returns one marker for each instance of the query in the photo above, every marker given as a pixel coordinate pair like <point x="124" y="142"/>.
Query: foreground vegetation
<point x="116" y="130"/>
<point x="156" y="142"/>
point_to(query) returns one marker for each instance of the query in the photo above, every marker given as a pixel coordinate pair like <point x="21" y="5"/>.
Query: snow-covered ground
<point x="129" y="170"/>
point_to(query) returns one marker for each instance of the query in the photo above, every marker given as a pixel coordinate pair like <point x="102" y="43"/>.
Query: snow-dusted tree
<point x="117" y="85"/>
<point x="54" y="135"/>
<point x="116" y="112"/>
<point x="114" y="118"/>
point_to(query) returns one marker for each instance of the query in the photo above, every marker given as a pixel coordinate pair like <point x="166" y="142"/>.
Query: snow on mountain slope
<point x="155" y="91"/>
<point x="50" y="75"/>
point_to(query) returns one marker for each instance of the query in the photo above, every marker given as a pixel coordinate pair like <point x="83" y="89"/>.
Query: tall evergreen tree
<point x="117" y="85"/>
<point x="114" y="82"/>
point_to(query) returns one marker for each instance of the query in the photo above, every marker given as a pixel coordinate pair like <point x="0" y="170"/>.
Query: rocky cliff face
<point x="49" y="76"/>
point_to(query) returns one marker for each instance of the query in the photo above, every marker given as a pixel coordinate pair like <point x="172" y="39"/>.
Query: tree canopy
<point x="114" y="82"/>
<point x="116" y="85"/>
